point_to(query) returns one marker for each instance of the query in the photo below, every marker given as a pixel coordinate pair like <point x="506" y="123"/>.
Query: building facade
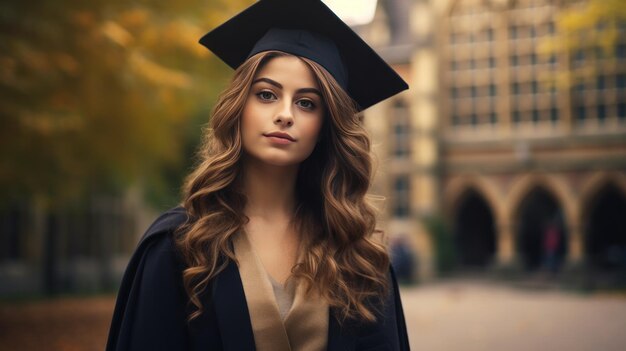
<point x="83" y="248"/>
<point x="522" y="167"/>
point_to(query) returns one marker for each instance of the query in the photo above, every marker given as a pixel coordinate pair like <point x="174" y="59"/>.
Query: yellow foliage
<point x="591" y="17"/>
<point x="158" y="74"/>
<point x="34" y="60"/>
<point x="117" y="33"/>
<point x="61" y="100"/>
<point x="549" y="46"/>
<point x="8" y="68"/>
<point x="48" y="124"/>
<point x="590" y="29"/>
<point x="83" y="18"/>
<point x="185" y="35"/>
<point x="150" y="36"/>
<point x="99" y="93"/>
<point x="66" y="63"/>
<point x="135" y="17"/>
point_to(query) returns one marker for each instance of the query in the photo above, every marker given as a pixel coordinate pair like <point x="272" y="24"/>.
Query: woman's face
<point x="283" y="113"/>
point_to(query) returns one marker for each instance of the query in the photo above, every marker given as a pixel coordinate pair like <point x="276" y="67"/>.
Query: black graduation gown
<point x="152" y="306"/>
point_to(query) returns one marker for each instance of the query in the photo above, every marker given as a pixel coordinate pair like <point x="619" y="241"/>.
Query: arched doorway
<point x="475" y="237"/>
<point x="539" y="217"/>
<point x="605" y="230"/>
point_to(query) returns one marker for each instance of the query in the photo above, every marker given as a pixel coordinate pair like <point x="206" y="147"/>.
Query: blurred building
<point x="82" y="248"/>
<point x="487" y="142"/>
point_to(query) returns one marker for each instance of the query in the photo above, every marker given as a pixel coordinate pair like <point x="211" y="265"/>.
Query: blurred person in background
<point x="551" y="242"/>
<point x="273" y="246"/>
<point x="403" y="260"/>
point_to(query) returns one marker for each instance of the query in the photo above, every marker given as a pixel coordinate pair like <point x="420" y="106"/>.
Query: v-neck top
<point x="304" y="326"/>
<point x="284" y="295"/>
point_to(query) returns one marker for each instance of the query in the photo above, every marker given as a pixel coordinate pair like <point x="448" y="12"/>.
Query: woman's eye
<point x="306" y="104"/>
<point x="266" y="95"/>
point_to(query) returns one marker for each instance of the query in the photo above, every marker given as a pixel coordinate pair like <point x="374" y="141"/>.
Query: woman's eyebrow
<point x="280" y="86"/>
<point x="269" y="81"/>
<point x="309" y="90"/>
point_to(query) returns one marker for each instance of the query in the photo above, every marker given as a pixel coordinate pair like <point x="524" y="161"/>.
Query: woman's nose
<point x="284" y="117"/>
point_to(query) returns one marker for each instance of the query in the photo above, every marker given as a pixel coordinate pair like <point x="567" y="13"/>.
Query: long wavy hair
<point x="342" y="261"/>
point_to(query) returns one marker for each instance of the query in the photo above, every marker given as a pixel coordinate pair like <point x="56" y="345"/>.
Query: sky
<point x="353" y="12"/>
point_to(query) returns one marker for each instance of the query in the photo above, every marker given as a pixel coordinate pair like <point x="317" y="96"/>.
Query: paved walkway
<point x="472" y="315"/>
<point x="465" y="315"/>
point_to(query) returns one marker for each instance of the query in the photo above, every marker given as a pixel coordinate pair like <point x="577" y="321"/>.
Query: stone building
<point x="82" y="248"/>
<point x="487" y="141"/>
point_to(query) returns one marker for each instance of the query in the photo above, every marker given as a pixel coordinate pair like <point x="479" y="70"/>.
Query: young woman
<point x="273" y="247"/>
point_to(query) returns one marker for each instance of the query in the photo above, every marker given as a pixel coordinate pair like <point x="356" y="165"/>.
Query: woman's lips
<point x="280" y="138"/>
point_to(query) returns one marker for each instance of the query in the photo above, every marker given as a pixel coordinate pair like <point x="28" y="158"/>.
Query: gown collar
<point x="305" y="327"/>
<point x="232" y="316"/>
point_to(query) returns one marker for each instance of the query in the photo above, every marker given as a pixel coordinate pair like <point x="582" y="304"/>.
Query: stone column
<point x="506" y="246"/>
<point x="575" y="248"/>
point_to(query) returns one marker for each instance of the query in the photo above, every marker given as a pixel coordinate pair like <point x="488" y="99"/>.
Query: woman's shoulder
<point x="166" y="223"/>
<point x="151" y="300"/>
<point x="157" y="245"/>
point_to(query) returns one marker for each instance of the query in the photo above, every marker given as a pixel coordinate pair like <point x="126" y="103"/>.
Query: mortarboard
<point x="307" y="28"/>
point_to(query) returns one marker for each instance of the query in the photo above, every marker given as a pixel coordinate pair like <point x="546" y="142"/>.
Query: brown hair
<point x="341" y="261"/>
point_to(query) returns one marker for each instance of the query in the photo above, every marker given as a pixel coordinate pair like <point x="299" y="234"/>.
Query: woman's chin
<point x="281" y="162"/>
<point x="277" y="160"/>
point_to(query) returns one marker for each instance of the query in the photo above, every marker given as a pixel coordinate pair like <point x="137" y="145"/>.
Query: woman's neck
<point x="270" y="208"/>
<point x="270" y="190"/>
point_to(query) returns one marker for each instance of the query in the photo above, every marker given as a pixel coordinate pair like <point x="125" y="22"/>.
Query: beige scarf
<point x="305" y="327"/>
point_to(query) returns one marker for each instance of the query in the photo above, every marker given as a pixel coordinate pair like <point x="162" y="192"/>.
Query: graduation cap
<point x="307" y="28"/>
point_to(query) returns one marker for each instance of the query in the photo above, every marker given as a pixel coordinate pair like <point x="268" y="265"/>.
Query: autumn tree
<point x="97" y="95"/>
<point x="590" y="34"/>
